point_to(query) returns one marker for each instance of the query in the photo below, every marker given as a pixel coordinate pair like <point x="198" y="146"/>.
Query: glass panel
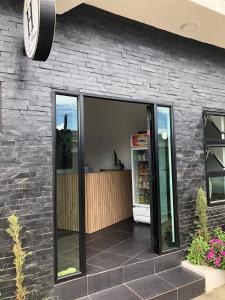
<point x="216" y="189"/>
<point x="165" y="178"/>
<point x="142" y="180"/>
<point x="215" y="159"/>
<point x="215" y="127"/>
<point x="67" y="192"/>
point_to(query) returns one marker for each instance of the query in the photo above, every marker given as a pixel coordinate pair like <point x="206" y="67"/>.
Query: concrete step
<point x="174" y="284"/>
<point x="94" y="283"/>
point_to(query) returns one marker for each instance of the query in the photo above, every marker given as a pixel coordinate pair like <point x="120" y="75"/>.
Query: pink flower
<point x="217" y="261"/>
<point x="222" y="253"/>
<point x="213" y="241"/>
<point x="211" y="249"/>
<point x="210" y="255"/>
<point x="216" y="241"/>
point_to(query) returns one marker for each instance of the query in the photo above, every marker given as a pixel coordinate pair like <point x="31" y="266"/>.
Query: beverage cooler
<point x="140" y="178"/>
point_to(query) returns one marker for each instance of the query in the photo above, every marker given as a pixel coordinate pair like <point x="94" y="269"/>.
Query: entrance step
<point x="174" y="284"/>
<point x="160" y="274"/>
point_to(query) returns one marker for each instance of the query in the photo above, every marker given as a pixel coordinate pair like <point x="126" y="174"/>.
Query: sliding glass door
<point x="67" y="191"/>
<point x="164" y="166"/>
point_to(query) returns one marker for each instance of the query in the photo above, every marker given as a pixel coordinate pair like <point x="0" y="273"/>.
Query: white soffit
<point x="202" y="20"/>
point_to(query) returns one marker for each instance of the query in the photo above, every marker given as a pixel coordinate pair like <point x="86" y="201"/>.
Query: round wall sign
<point x="39" y="18"/>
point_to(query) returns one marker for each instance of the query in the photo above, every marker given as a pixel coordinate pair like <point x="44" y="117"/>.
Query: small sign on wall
<point x="39" y="19"/>
<point x="139" y="140"/>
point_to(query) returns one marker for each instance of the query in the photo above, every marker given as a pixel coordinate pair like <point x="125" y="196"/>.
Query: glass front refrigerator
<point x="140" y="178"/>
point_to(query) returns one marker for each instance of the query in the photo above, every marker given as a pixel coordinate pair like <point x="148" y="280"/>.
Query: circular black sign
<point x="39" y="18"/>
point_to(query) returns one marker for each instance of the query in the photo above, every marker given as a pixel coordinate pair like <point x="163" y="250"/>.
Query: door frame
<point x="81" y="184"/>
<point x="174" y="176"/>
<point x="155" y="211"/>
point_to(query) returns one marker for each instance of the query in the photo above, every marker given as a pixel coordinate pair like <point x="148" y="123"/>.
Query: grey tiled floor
<point x="120" y="244"/>
<point x="174" y="284"/>
<point x="123" y="243"/>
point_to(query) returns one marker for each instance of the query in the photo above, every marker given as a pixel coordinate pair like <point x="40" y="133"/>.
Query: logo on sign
<point x="139" y="140"/>
<point x="39" y="19"/>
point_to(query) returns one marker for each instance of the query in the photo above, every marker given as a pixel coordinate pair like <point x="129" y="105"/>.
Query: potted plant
<point x="206" y="254"/>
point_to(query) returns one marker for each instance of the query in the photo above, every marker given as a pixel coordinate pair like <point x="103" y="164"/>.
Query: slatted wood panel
<point x="108" y="199"/>
<point x="68" y="202"/>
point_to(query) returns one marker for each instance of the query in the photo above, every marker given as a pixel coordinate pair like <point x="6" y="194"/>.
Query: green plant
<point x="197" y="251"/>
<point x="219" y="234"/>
<point x="14" y="230"/>
<point x="202" y="215"/>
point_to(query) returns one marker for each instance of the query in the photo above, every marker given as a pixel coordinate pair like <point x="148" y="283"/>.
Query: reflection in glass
<point x="67" y="192"/>
<point x="215" y="127"/>
<point x="215" y="158"/>
<point x="216" y="188"/>
<point x="165" y="178"/>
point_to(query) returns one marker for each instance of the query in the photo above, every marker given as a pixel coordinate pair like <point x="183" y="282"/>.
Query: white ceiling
<point x="202" y="20"/>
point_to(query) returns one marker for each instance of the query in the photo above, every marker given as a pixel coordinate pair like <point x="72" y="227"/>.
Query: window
<point x="214" y="131"/>
<point x="67" y="186"/>
<point x="166" y="178"/>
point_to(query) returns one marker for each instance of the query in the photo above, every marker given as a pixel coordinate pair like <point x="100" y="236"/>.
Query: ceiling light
<point x="189" y="27"/>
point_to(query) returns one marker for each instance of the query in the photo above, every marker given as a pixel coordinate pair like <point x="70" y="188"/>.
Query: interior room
<point x="117" y="191"/>
<point x="117" y="187"/>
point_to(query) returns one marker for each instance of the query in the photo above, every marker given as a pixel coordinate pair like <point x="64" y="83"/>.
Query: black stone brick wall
<point x="98" y="53"/>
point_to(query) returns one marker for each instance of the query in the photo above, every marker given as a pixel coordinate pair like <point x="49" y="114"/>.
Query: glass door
<point x="165" y="179"/>
<point x="68" y="225"/>
<point x="141" y="180"/>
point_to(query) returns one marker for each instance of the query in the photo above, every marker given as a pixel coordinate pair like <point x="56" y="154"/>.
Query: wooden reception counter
<point x="108" y="199"/>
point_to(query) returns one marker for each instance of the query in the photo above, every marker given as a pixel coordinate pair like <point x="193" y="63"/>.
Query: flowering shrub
<point x="216" y="254"/>
<point x="219" y="234"/>
<point x="197" y="251"/>
<point x="207" y="247"/>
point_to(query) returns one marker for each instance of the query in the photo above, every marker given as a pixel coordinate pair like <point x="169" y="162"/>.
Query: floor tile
<point x="90" y="252"/>
<point x="146" y="254"/>
<point x="116" y="235"/>
<point x="101" y="244"/>
<point x="91" y="269"/>
<point x="108" y="260"/>
<point x="105" y="280"/>
<point x="142" y="234"/>
<point x="150" y="286"/>
<point x="131" y="261"/>
<point x="167" y="261"/>
<point x="72" y="289"/>
<point x="128" y="248"/>
<point x="138" y="270"/>
<point x="134" y="238"/>
<point x="89" y="237"/>
<point x="124" y="226"/>
<point x="179" y="276"/>
<point x="99" y="233"/>
<point x="172" y="295"/>
<point x="192" y="290"/>
<point x="141" y="240"/>
<point x="116" y="293"/>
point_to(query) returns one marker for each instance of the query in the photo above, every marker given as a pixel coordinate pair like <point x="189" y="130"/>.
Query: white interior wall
<point x="108" y="126"/>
